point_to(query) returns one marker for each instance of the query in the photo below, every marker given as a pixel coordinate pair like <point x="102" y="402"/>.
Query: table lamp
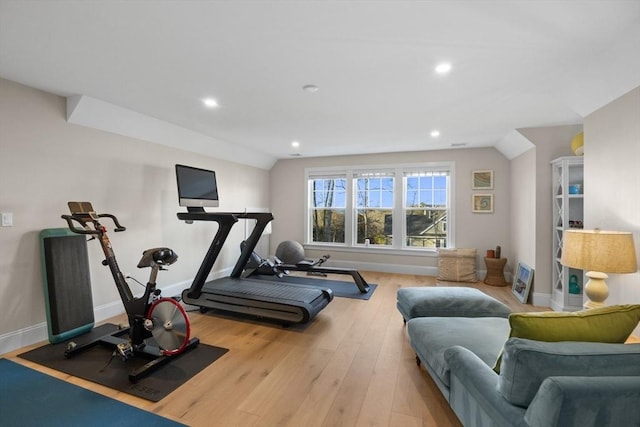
<point x="599" y="252"/>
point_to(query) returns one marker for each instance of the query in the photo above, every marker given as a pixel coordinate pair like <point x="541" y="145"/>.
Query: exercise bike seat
<point x="157" y="256"/>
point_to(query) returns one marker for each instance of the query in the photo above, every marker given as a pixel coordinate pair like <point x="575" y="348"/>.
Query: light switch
<point x="7" y="219"/>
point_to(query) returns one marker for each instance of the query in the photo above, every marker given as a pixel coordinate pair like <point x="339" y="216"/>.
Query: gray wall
<point x="612" y="181"/>
<point x="45" y="162"/>
<point x="550" y="143"/>
<point x="480" y="231"/>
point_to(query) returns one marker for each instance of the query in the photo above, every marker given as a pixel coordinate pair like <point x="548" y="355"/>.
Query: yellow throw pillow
<point x="611" y="324"/>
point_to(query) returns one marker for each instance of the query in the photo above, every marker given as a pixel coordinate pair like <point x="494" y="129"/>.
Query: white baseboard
<point x="541" y="300"/>
<point x="385" y="268"/>
<point x="23" y="337"/>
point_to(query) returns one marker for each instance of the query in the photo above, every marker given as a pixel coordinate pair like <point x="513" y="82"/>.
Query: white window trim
<point x="349" y="172"/>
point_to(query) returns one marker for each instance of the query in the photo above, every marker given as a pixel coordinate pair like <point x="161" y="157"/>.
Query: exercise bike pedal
<point x="125" y="350"/>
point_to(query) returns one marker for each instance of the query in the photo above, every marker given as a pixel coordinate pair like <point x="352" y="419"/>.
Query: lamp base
<point x="596" y="289"/>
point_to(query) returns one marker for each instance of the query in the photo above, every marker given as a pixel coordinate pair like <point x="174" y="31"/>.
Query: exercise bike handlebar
<point x="85" y="218"/>
<point x="119" y="227"/>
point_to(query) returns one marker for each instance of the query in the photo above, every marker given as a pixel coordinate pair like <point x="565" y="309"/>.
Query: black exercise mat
<point x="347" y="289"/>
<point x="91" y="365"/>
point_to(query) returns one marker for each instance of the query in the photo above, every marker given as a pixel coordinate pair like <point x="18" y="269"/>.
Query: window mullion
<point x="398" y="214"/>
<point x="349" y="211"/>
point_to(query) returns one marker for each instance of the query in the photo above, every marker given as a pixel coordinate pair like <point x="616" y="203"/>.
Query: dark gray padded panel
<point x="67" y="282"/>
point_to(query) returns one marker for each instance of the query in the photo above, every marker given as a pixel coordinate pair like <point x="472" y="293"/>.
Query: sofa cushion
<point x="442" y="301"/>
<point x="527" y="363"/>
<point x="430" y="337"/>
<point x="612" y="324"/>
<point x="586" y="402"/>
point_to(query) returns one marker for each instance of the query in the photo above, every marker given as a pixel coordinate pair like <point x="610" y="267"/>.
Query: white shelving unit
<point x="568" y="213"/>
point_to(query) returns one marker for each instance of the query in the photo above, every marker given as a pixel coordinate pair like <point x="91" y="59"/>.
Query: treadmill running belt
<point x="258" y="289"/>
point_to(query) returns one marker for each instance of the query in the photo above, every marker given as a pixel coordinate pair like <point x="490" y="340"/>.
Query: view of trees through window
<point x="374" y="208"/>
<point x="423" y="206"/>
<point x="328" y="210"/>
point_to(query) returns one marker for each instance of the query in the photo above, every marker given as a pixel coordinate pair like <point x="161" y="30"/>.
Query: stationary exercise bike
<point x="158" y="327"/>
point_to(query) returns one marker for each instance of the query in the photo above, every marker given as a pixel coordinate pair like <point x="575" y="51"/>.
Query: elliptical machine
<point x="159" y="327"/>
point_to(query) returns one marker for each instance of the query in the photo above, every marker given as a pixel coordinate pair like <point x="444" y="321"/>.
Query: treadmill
<point x="289" y="303"/>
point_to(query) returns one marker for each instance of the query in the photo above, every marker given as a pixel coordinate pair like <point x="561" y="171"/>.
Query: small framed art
<point x="482" y="180"/>
<point x="482" y="203"/>
<point x="522" y="282"/>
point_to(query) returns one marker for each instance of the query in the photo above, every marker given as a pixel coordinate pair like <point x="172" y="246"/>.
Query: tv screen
<point x="196" y="187"/>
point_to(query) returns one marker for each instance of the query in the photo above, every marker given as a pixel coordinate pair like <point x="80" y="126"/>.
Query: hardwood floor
<point x="352" y="366"/>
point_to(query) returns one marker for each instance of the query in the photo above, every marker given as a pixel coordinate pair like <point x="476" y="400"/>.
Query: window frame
<point x="350" y="173"/>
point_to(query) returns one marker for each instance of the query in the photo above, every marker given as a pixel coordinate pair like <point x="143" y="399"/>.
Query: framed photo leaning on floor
<point x="522" y="282"/>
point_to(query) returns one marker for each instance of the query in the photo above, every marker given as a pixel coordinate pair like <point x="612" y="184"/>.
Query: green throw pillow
<point x="611" y="324"/>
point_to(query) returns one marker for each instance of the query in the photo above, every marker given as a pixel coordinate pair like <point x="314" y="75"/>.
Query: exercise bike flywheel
<point x="171" y="328"/>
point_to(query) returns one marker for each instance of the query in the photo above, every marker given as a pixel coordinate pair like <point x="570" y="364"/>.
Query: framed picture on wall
<point x="522" y="282"/>
<point x="482" y="203"/>
<point x="482" y="180"/>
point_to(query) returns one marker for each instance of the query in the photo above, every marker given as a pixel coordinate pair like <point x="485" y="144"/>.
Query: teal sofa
<point x="539" y="383"/>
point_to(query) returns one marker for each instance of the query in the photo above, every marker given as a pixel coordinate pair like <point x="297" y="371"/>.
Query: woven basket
<point x="457" y="265"/>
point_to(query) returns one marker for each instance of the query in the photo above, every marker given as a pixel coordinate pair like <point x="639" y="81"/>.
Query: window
<point x="402" y="207"/>
<point x="426" y="208"/>
<point x="327" y="211"/>
<point x="374" y="207"/>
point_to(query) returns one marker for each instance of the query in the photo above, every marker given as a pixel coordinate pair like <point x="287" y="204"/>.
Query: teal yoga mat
<point x="30" y="398"/>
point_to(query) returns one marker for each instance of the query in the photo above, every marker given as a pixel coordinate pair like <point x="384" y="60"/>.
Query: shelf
<point x="568" y="209"/>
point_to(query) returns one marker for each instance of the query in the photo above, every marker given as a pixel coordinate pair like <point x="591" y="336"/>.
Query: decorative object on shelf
<point x="498" y="251"/>
<point x="522" y="282"/>
<point x="482" y="203"/>
<point x="575" y="224"/>
<point x="482" y="180"/>
<point x="599" y="252"/>
<point x="495" y="271"/>
<point x="574" y="286"/>
<point x="575" y="189"/>
<point x="577" y="144"/>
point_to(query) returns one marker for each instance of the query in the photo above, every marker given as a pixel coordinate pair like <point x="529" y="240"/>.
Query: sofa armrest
<point x="586" y="402"/>
<point x="473" y="392"/>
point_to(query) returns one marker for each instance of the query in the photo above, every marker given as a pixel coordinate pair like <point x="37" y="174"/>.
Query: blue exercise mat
<point x="30" y="398"/>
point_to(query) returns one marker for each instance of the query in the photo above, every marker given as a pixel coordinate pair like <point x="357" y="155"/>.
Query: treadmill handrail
<point x="217" y="216"/>
<point x="225" y="220"/>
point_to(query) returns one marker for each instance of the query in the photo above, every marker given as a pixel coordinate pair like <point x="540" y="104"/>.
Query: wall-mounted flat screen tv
<point x="196" y="187"/>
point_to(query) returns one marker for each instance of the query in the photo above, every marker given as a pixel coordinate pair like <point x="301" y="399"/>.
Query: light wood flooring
<point x="352" y="366"/>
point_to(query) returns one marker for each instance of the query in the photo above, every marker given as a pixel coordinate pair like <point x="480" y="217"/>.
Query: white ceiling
<point x="150" y="63"/>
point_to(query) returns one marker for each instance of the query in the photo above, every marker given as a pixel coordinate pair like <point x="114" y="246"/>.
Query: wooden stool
<point x="495" y="271"/>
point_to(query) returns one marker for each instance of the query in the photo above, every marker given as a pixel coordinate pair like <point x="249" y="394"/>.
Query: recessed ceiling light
<point x="443" y="68"/>
<point x="310" y="88"/>
<point x="435" y="133"/>
<point x="295" y="144"/>
<point x="210" y="102"/>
